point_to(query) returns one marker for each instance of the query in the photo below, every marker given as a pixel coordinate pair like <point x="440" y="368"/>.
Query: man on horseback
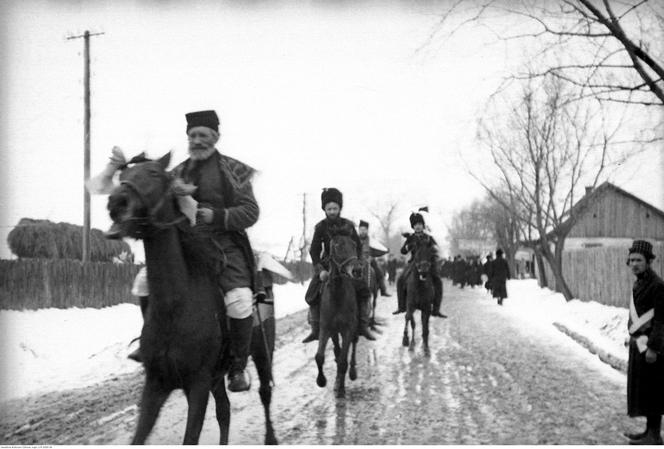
<point x="332" y="202"/>
<point x="414" y="241"/>
<point x="363" y="232"/>
<point x="226" y="207"/>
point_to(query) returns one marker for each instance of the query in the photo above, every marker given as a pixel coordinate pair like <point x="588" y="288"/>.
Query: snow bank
<point x="55" y="349"/>
<point x="604" y="326"/>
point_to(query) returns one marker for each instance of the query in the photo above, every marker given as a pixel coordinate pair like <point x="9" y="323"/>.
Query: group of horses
<point x="184" y="342"/>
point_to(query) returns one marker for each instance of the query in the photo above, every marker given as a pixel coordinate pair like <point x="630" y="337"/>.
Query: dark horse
<point x="338" y="312"/>
<point x="419" y="295"/>
<point x="182" y="339"/>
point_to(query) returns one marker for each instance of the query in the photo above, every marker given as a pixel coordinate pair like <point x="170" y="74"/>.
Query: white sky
<point x="312" y="94"/>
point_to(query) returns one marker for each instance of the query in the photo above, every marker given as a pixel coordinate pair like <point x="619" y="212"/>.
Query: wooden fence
<point x="601" y="274"/>
<point x="43" y="283"/>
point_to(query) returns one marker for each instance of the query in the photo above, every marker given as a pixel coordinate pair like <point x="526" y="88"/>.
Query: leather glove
<point x="324" y="275"/>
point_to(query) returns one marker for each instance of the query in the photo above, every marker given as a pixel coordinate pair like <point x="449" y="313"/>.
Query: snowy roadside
<point x="600" y="328"/>
<point x="59" y="349"/>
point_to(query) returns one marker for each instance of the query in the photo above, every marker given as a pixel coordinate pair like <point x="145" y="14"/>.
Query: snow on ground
<point x="605" y="326"/>
<point x="57" y="349"/>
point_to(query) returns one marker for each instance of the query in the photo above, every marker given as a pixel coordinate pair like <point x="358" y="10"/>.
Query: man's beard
<point x="200" y="155"/>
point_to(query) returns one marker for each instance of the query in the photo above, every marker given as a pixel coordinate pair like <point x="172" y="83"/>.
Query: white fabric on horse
<point x="239" y="302"/>
<point x="140" y="287"/>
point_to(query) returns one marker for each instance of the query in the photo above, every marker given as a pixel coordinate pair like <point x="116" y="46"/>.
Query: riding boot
<point x="401" y="296"/>
<point x="438" y="296"/>
<point x="240" y="340"/>
<point x="114" y="232"/>
<point x="136" y="354"/>
<point x="364" y="306"/>
<point x="314" y="322"/>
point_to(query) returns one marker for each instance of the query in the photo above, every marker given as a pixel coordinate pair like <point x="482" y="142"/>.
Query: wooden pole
<point x="86" y="149"/>
<point x="85" y="255"/>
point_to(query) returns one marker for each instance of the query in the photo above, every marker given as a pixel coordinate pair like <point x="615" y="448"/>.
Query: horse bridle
<point x="340" y="265"/>
<point x="152" y="211"/>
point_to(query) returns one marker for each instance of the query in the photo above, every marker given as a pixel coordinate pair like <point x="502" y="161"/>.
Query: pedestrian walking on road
<point x="500" y="273"/>
<point x="645" y="368"/>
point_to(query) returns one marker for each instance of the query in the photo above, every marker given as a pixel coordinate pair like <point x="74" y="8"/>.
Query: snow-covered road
<point x="496" y="375"/>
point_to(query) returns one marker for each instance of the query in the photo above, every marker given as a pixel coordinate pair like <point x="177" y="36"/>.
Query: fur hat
<point x="415" y="218"/>
<point x="202" y="118"/>
<point x="363" y="224"/>
<point x="642" y="247"/>
<point x="331" y="195"/>
<point x="499" y="252"/>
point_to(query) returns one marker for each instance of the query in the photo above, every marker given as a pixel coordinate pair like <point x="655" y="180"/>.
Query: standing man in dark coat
<point x="500" y="273"/>
<point x="645" y="368"/>
<point x="333" y="223"/>
<point x="487" y="271"/>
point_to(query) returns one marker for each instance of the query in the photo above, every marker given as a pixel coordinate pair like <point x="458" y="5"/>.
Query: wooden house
<point x="610" y="216"/>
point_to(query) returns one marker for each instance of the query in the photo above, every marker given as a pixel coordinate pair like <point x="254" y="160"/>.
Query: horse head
<point x="343" y="255"/>
<point x="138" y="203"/>
<point x="422" y="262"/>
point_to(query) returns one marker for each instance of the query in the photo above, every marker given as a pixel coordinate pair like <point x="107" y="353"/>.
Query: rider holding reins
<point x="413" y="242"/>
<point x="333" y="223"/>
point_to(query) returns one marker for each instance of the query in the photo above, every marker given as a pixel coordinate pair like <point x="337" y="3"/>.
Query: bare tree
<point x="546" y="150"/>
<point x="611" y="49"/>
<point x="386" y="216"/>
<point x="487" y="220"/>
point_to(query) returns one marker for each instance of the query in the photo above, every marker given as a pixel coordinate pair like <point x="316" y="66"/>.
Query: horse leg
<point x="197" y="395"/>
<point x="223" y="409"/>
<point x="425" y="331"/>
<point x="336" y="346"/>
<point x="352" y="374"/>
<point x="342" y="365"/>
<point x="412" y="327"/>
<point x="153" y="398"/>
<point x="321" y="381"/>
<point x="405" y="341"/>
<point x="265" y="391"/>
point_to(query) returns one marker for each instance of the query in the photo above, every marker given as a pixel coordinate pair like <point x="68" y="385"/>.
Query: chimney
<point x="589" y="189"/>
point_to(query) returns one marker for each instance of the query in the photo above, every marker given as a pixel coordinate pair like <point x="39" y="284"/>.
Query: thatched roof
<point x="44" y="239"/>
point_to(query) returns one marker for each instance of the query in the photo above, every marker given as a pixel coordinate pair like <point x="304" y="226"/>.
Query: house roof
<point x="581" y="206"/>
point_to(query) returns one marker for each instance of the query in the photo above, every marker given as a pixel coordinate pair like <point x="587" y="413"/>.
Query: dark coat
<point x="500" y="273"/>
<point x="224" y="185"/>
<point x="645" y="382"/>
<point x="323" y="232"/>
<point x="320" y="251"/>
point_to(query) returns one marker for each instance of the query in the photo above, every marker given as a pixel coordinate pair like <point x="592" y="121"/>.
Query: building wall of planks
<point x="613" y="214"/>
<point x="601" y="274"/>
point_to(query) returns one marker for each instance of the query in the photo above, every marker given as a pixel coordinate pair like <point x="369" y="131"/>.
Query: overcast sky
<point x="312" y="94"/>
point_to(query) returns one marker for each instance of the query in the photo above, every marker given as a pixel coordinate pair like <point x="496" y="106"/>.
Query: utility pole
<point x="303" y="251"/>
<point x="86" y="142"/>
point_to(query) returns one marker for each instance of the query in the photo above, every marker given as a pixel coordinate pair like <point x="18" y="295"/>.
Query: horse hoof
<point x="321" y="381"/>
<point x="405" y="341"/>
<point x="271" y="440"/>
<point x="352" y="374"/>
